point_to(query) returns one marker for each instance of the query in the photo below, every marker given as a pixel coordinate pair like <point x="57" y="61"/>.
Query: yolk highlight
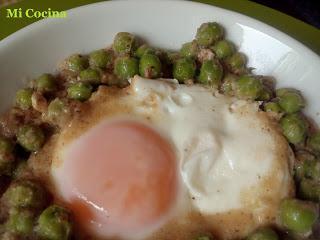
<point x="122" y="175"/>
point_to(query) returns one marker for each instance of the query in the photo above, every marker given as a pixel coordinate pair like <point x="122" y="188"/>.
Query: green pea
<point x="223" y="49"/>
<point x="228" y="84"/>
<point x="30" y="137"/>
<point x="189" y="49"/>
<point x="265" y="94"/>
<point x="283" y="91"/>
<point x="54" y="223"/>
<point x="203" y="238"/>
<point x="124" y="43"/>
<point x="79" y="91"/>
<point x="314" y="141"/>
<point x="25" y="194"/>
<point x="76" y="63"/>
<point x="272" y="107"/>
<point x="184" y="69"/>
<point x="236" y="62"/>
<point x="56" y="109"/>
<point x="299" y="172"/>
<point x="20" y="221"/>
<point x="46" y="83"/>
<point x="290" y="100"/>
<point x="90" y="76"/>
<point x="209" y="33"/>
<point x="143" y="49"/>
<point x="210" y="73"/>
<point x="311" y="169"/>
<point x="309" y="189"/>
<point x="23" y="99"/>
<point x="248" y="87"/>
<point x="100" y="59"/>
<point x="126" y="67"/>
<point x="294" y="128"/>
<point x="297" y="216"/>
<point x="306" y="166"/>
<point x="263" y="234"/>
<point x="150" y="66"/>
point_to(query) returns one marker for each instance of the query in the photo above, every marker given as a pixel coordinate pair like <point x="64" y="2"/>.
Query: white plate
<point x="167" y="24"/>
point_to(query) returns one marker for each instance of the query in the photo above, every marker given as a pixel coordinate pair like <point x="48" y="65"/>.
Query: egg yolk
<point x="123" y="178"/>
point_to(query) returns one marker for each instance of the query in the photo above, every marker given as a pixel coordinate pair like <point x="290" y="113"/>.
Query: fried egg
<point x="159" y="160"/>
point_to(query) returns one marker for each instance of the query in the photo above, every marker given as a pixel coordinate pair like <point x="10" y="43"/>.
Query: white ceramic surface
<point x="163" y="23"/>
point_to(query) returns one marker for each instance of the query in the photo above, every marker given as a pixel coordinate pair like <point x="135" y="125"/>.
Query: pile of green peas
<point x="210" y="60"/>
<point x="29" y="215"/>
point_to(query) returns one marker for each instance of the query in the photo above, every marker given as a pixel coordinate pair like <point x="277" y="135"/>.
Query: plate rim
<point x="288" y="40"/>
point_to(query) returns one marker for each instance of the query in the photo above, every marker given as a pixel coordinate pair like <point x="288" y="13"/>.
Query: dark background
<point x="305" y="10"/>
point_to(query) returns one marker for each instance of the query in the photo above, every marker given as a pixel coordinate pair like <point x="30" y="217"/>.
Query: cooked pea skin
<point x="184" y="69"/>
<point x="272" y="107"/>
<point x="76" y="63"/>
<point x="46" y="83"/>
<point x="312" y="169"/>
<point x="211" y="73"/>
<point x="150" y="66"/>
<point x="80" y="91"/>
<point x="90" y="75"/>
<point x="23" y="98"/>
<point x="209" y="33"/>
<point x="189" y="49"/>
<point x="100" y="59"/>
<point x="263" y="234"/>
<point x="143" y="49"/>
<point x="56" y="109"/>
<point x="223" y="49"/>
<point x="248" y="87"/>
<point x="294" y="128"/>
<point x="126" y="67"/>
<point x="24" y="194"/>
<point x="21" y="221"/>
<point x="54" y="223"/>
<point x="297" y="216"/>
<point x="236" y="62"/>
<point x="290" y="100"/>
<point x="30" y="137"/>
<point x="124" y="43"/>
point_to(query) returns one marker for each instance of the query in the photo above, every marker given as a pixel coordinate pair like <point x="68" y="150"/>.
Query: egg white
<point x="234" y="165"/>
